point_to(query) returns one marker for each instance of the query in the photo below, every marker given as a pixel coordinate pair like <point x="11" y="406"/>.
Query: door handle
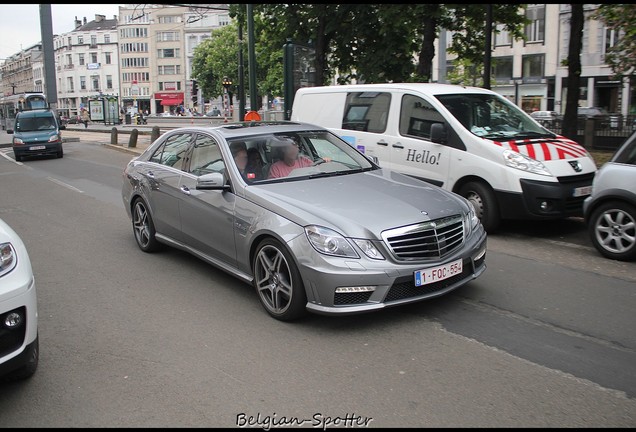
<point x="398" y="145"/>
<point x="383" y="143"/>
<point x="185" y="190"/>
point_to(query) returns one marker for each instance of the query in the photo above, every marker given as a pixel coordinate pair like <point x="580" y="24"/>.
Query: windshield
<point x="284" y="156"/>
<point x="492" y="116"/>
<point x="30" y="124"/>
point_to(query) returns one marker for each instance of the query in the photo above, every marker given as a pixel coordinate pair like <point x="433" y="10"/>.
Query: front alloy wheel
<point x="613" y="230"/>
<point x="278" y="282"/>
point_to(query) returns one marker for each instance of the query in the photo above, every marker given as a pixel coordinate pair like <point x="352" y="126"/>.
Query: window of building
<point x="167" y="36"/>
<point x="108" y="58"/>
<point x="95" y="81"/>
<point x="169" y="85"/>
<point x="106" y="38"/>
<point x="70" y="42"/>
<point x="169" y="69"/>
<point x="69" y="82"/>
<point x="69" y="59"/>
<point x="535" y="31"/>
<point x="168" y="53"/>
<point x="93" y="40"/>
<point x="502" y="69"/>
<point x="93" y="57"/>
<point x="109" y="82"/>
<point x="82" y="83"/>
<point x="502" y="36"/>
<point x="80" y="39"/>
<point x="533" y="66"/>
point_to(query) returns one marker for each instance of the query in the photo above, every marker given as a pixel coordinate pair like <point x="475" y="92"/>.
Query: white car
<point x="610" y="211"/>
<point x="19" y="350"/>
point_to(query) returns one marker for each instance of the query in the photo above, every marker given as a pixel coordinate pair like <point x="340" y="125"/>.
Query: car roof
<point x="36" y="113"/>
<point x="429" y="88"/>
<point x="243" y="129"/>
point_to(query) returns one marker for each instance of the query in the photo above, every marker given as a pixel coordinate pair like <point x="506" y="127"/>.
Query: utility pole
<point x="251" y="58"/>
<point x="488" y="46"/>
<point x="46" y="30"/>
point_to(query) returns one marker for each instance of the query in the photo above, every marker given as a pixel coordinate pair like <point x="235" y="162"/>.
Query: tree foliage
<point x="621" y="18"/>
<point x="366" y="42"/>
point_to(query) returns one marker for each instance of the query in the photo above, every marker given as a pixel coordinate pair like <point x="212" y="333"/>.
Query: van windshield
<point x="31" y="124"/>
<point x="492" y="116"/>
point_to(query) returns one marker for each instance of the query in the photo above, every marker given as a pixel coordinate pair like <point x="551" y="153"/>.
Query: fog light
<point x="354" y="289"/>
<point x="13" y="320"/>
<point x="545" y="205"/>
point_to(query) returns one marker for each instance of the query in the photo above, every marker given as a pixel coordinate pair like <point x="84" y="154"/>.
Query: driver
<point x="291" y="160"/>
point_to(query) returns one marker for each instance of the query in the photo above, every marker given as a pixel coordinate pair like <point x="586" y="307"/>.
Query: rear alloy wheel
<point x="143" y="227"/>
<point x="612" y="229"/>
<point x="278" y="282"/>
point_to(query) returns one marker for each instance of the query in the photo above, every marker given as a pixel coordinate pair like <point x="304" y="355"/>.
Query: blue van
<point x="37" y="132"/>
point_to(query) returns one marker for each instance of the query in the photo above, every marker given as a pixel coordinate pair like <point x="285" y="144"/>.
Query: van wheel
<point x="60" y="154"/>
<point x="17" y="157"/>
<point x="483" y="199"/>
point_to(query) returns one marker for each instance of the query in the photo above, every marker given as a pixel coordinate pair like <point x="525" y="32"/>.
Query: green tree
<point x="215" y="58"/>
<point x="622" y="19"/>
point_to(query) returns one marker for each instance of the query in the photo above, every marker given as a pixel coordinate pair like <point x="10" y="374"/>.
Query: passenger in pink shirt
<point x="290" y="161"/>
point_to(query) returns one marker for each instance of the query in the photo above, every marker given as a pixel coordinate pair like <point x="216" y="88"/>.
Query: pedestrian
<point x="85" y="118"/>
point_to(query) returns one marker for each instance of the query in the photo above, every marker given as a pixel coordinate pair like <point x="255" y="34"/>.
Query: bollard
<point x="113" y="136"/>
<point x="154" y="134"/>
<point x="132" y="142"/>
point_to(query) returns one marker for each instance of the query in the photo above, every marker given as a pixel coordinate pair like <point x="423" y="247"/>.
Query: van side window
<point x="366" y="111"/>
<point x="417" y="116"/>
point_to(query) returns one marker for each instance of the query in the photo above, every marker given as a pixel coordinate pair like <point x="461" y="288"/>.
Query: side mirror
<point x="62" y="127"/>
<point x="212" y="181"/>
<point x="438" y="133"/>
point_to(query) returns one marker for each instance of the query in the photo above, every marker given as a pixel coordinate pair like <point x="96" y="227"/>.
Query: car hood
<point x="36" y="136"/>
<point x="561" y="155"/>
<point x="358" y="205"/>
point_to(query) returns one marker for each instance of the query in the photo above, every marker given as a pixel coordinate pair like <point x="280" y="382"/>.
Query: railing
<point x="606" y="133"/>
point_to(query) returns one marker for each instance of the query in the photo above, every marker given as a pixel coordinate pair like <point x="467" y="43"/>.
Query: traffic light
<point x="195" y="90"/>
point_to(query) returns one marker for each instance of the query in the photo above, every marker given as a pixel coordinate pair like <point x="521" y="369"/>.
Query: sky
<point x="20" y="23"/>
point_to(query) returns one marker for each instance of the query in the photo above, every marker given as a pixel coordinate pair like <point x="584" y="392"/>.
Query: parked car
<point x="547" y="118"/>
<point x="599" y="115"/>
<point x="610" y="211"/>
<point x="340" y="235"/>
<point x="37" y="133"/>
<point x="19" y="342"/>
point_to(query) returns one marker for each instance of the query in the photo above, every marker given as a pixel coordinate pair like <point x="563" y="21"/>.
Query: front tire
<point x="144" y="227"/>
<point x="483" y="199"/>
<point x="60" y="154"/>
<point x="612" y="229"/>
<point x="278" y="282"/>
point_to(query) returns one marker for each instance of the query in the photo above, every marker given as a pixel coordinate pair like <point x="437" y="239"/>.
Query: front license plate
<point x="37" y="147"/>
<point x="435" y="274"/>
<point x="582" y="191"/>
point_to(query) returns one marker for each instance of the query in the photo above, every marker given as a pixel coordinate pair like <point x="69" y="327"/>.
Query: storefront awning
<point x="171" y="101"/>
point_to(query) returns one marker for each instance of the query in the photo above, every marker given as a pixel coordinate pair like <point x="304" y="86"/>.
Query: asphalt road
<point x="544" y="338"/>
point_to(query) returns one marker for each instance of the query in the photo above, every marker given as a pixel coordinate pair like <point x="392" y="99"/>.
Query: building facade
<point x="86" y="64"/>
<point x="533" y="73"/>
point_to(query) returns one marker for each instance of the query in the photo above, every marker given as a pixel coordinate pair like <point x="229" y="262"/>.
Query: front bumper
<point x="394" y="282"/>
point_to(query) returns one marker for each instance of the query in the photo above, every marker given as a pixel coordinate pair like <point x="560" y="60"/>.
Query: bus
<point x="12" y="104"/>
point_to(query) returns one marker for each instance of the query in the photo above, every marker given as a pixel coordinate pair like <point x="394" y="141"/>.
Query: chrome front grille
<point x="433" y="239"/>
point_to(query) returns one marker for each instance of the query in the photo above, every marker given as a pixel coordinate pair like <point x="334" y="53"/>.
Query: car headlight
<point x="524" y="163"/>
<point x="369" y="249"/>
<point x="54" y="138"/>
<point x="328" y="242"/>
<point x="8" y="259"/>
<point x="17" y="141"/>
<point x="470" y="219"/>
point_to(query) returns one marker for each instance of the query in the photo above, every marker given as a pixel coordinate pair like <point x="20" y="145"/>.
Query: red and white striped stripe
<point x="545" y="149"/>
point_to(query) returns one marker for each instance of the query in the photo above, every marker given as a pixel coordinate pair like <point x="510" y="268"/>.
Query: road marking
<point x="9" y="158"/>
<point x="66" y="185"/>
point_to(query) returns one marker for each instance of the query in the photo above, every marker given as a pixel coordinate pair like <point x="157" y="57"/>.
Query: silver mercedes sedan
<point x="313" y="224"/>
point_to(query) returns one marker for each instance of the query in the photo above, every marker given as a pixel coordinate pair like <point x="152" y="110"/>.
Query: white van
<point x="468" y="140"/>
